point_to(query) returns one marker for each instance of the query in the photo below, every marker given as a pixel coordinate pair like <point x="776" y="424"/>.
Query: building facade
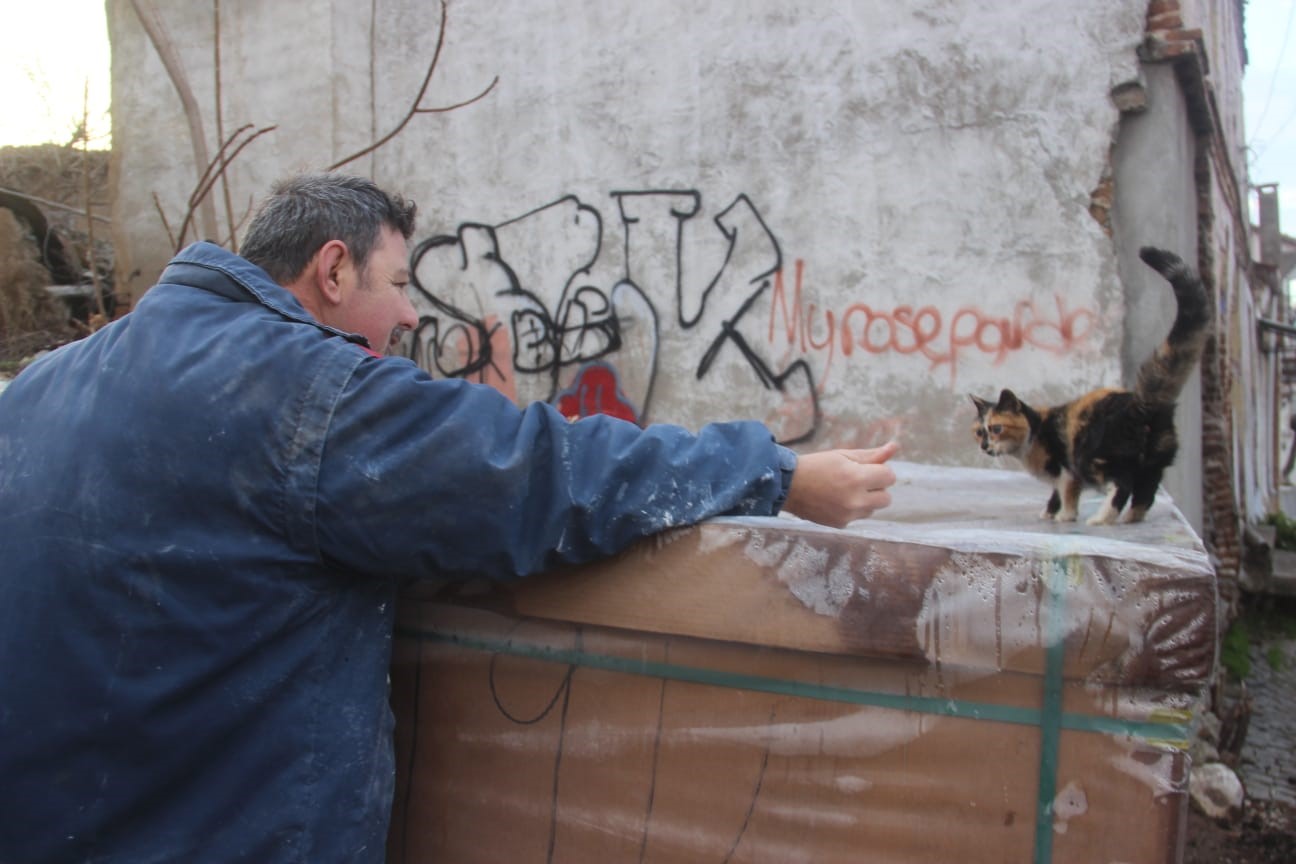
<point x="837" y="217"/>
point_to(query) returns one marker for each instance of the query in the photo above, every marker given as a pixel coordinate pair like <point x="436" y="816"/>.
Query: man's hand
<point x="834" y="487"/>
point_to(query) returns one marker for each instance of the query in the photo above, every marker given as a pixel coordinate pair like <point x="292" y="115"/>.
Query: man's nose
<point x="407" y="317"/>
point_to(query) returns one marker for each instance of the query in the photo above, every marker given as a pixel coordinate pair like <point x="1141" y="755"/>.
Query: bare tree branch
<point x="171" y="61"/>
<point x="200" y="202"/>
<point x="238" y="226"/>
<point x="220" y="123"/>
<point x="216" y="170"/>
<point x="414" y="108"/>
<point x="85" y="193"/>
<point x="48" y="203"/>
<point x="165" y="224"/>
<point x="466" y="102"/>
<point x="196" y="195"/>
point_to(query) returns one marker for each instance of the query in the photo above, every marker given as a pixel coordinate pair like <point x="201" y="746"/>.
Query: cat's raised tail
<point x="1163" y="375"/>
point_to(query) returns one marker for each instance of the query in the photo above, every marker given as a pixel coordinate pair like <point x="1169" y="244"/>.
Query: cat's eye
<point x="996" y="429"/>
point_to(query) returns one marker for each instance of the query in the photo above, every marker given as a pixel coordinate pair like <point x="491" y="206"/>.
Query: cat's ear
<point x="1008" y="401"/>
<point x="982" y="405"/>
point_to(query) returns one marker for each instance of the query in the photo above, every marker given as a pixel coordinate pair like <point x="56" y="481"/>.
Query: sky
<point x="1269" y="101"/>
<point x="51" y="49"/>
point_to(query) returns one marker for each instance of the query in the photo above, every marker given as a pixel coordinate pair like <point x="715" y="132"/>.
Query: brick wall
<point x="1223" y="261"/>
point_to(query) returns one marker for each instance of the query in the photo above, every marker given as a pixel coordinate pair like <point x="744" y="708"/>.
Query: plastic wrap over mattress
<point x="953" y="680"/>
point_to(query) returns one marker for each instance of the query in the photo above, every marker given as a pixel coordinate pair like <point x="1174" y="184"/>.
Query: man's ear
<point x="330" y="262"/>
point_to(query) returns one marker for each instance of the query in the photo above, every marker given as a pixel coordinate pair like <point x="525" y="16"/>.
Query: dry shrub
<point x="30" y="319"/>
<point x="54" y="172"/>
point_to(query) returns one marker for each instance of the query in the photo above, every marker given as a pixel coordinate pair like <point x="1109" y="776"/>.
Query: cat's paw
<point x="1106" y="515"/>
<point x="1066" y="516"/>
<point x="1046" y="515"/>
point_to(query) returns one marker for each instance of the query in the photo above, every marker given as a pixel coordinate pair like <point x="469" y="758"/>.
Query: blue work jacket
<point x="205" y="510"/>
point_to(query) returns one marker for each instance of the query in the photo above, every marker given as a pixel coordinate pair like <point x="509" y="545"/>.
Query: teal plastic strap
<point x="1165" y="732"/>
<point x="1055" y="585"/>
<point x="1170" y="729"/>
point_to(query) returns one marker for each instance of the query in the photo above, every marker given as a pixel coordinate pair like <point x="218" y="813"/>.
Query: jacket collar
<point x="201" y="265"/>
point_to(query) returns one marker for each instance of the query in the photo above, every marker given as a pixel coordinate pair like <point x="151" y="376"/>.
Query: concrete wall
<point x="1254" y="371"/>
<point x="1156" y="204"/>
<point x="836" y="217"/>
<point x="1202" y="41"/>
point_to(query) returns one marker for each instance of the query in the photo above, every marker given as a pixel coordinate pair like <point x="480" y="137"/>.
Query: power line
<point x="1282" y="52"/>
<point x="1259" y="151"/>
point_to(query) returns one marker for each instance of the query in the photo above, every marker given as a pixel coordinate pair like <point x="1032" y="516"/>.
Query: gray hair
<point x="303" y="213"/>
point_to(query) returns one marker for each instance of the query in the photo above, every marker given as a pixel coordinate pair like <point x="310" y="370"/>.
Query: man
<point x="204" y="511"/>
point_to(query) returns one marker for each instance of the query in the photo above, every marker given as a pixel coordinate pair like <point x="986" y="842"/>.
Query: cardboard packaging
<point x="954" y="680"/>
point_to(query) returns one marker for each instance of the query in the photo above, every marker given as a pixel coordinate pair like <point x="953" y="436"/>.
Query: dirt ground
<point x="1265" y="835"/>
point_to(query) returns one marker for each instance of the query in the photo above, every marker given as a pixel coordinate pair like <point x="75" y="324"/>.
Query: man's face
<point x="379" y="308"/>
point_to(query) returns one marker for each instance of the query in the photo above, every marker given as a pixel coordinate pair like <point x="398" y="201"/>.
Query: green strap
<point x="1169" y="729"/>
<point x="1055" y="579"/>
<point x="1166" y="728"/>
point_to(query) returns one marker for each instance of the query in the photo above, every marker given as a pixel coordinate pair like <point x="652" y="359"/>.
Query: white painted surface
<point x="877" y="207"/>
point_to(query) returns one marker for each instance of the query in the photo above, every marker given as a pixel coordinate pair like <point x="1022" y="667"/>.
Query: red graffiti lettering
<point x="796" y="327"/>
<point x="908" y="330"/>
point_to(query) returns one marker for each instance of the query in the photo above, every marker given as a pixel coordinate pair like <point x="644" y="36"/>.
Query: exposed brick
<point x="1165" y="21"/>
<point x="1100" y="201"/>
<point x="1156" y="50"/>
<point x="1181" y="35"/>
<point x="1170" y="49"/>
<point x="1130" y="97"/>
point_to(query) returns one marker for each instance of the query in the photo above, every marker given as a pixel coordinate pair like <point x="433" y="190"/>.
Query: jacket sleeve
<point x="423" y="477"/>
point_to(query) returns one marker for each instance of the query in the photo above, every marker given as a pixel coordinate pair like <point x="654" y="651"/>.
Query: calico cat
<point x="1122" y="440"/>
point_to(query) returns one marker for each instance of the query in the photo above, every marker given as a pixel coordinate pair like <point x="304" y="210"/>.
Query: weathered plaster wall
<point x="1201" y="40"/>
<point x="836" y="217"/>
<point x="1156" y="204"/>
<point x="282" y="64"/>
<point x="1254" y="368"/>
